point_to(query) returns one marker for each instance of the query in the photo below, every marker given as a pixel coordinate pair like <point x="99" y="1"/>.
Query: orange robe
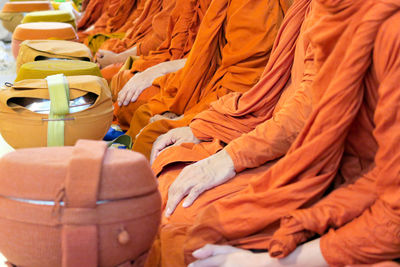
<point x="354" y="112"/>
<point x="93" y="11"/>
<point x="182" y="31"/>
<point x="229" y="54"/>
<point x="148" y="31"/>
<point x="359" y="223"/>
<point x="112" y="20"/>
<point x="283" y="93"/>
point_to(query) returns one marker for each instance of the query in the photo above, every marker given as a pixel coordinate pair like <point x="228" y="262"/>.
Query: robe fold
<point x="93" y="12"/>
<point x="360" y="223"/>
<point x="182" y="31"/>
<point x="337" y="144"/>
<point x="286" y="79"/>
<point x="230" y="52"/>
<point x="146" y="32"/>
<point x="112" y="20"/>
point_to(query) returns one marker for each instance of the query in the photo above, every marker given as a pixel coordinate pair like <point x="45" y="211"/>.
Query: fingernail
<point x="119" y="104"/>
<point x="126" y="103"/>
<point x="191" y="265"/>
<point x="185" y="204"/>
<point x="196" y="252"/>
<point x="167" y="213"/>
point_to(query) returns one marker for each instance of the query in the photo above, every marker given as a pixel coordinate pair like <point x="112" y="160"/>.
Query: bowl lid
<point x="41" y="69"/>
<point x="26" y="6"/>
<point x="44" y="30"/>
<point x="49" y="15"/>
<point x="40" y="173"/>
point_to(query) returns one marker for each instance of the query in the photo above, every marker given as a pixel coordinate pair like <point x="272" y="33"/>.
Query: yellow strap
<point x="59" y="107"/>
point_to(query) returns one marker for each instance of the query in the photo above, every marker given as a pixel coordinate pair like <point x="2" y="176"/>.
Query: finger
<point x="128" y="96"/>
<point x="135" y="96"/>
<point x="121" y="96"/>
<point x="100" y="61"/>
<point x="99" y="54"/>
<point x="160" y="145"/>
<point x="212" y="250"/>
<point x="193" y="195"/>
<point x="213" y="261"/>
<point x="175" y="195"/>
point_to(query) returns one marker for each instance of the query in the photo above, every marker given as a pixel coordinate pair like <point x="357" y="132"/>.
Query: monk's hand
<point x="199" y="177"/>
<point x="105" y="58"/>
<point x="136" y="85"/>
<point x="173" y="137"/>
<point x="228" y="256"/>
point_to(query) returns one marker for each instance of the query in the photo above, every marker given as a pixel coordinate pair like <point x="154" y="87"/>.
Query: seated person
<point x="350" y="135"/>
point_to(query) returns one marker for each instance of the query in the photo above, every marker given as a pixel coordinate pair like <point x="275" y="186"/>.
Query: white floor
<point x="7" y="74"/>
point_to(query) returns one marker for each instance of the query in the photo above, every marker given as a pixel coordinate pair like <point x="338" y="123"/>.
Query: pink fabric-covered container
<point x="42" y="31"/>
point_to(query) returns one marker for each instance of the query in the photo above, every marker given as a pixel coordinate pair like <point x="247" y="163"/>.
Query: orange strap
<point x="79" y="241"/>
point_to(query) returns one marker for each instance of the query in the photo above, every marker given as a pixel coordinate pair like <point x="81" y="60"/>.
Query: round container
<point x="26" y="6"/>
<point x="42" y="31"/>
<point x="13" y="12"/>
<point x="42" y="69"/>
<point x="109" y="215"/>
<point x="50" y="16"/>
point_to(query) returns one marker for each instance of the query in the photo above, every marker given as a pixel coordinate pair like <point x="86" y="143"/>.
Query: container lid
<point x="49" y="15"/>
<point x="26" y="6"/>
<point x="42" y="69"/>
<point x="44" y="30"/>
<point x="60" y="47"/>
<point x="40" y="173"/>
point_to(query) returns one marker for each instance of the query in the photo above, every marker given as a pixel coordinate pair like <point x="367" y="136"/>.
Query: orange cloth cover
<point x="183" y="26"/>
<point x="77" y="206"/>
<point x="229" y="55"/>
<point x="33" y="50"/>
<point x="23" y="128"/>
<point x="41" y="31"/>
<point x="26" y="6"/>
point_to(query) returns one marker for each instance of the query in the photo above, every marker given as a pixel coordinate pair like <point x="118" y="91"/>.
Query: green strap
<point x="59" y="107"/>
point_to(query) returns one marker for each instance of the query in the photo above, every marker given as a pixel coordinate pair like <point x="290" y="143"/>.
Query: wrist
<point x="226" y="161"/>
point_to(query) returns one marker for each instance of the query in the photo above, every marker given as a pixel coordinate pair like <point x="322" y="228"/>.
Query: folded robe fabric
<point x="148" y="31"/>
<point x="287" y="76"/>
<point x="229" y="54"/>
<point x="183" y="27"/>
<point x="111" y="21"/>
<point x="363" y="218"/>
<point x="92" y="12"/>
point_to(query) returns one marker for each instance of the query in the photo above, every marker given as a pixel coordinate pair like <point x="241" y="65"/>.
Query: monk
<point x="91" y="12"/>
<point x="282" y="96"/>
<point x="143" y="35"/>
<point x="115" y="14"/>
<point x="229" y="54"/>
<point x="169" y="57"/>
<point x="350" y="137"/>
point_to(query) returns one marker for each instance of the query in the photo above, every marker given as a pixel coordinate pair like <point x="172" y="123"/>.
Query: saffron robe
<point x="282" y="96"/>
<point x="360" y="222"/>
<point x="183" y="26"/>
<point x="230" y="52"/>
<point x="112" y="20"/>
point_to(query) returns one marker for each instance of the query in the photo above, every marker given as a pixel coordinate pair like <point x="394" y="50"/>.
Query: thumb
<point x="212" y="250"/>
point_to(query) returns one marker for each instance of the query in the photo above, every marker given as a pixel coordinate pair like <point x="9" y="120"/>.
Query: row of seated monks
<point x="271" y="125"/>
